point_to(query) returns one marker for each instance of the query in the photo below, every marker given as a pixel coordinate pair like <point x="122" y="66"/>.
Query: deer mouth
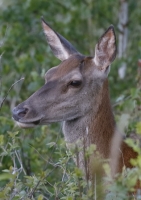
<point x="36" y="122"/>
<point x="28" y="124"/>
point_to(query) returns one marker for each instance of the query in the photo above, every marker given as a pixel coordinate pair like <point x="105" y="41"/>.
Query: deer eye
<point x="75" y="83"/>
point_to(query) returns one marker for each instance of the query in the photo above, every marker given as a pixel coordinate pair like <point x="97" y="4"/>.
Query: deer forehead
<point x="69" y="67"/>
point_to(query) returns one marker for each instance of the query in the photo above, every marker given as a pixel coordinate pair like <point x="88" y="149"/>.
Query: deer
<point x="76" y="93"/>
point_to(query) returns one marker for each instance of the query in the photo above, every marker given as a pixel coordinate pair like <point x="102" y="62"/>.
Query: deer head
<point x="71" y="89"/>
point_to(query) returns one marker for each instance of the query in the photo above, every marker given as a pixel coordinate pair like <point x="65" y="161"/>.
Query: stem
<point x="9" y="91"/>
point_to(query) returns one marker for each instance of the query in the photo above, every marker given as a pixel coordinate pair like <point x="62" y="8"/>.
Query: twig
<point x="0" y="73"/>
<point x="9" y="91"/>
<point x="95" y="195"/>
<point x="20" y="161"/>
<point x="122" y="100"/>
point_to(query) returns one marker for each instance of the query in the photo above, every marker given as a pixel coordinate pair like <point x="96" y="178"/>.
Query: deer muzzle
<point x="19" y="115"/>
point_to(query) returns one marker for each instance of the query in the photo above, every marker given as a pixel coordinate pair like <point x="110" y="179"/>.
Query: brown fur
<point x="104" y="125"/>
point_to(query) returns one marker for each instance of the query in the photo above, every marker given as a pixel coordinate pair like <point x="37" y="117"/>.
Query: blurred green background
<point x="25" y="53"/>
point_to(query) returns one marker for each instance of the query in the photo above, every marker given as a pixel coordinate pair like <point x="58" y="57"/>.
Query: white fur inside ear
<point x="55" y="42"/>
<point x="98" y="56"/>
<point x="110" y="45"/>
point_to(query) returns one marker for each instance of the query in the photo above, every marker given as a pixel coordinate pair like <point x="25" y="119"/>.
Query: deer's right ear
<point x="61" y="48"/>
<point x="105" y="50"/>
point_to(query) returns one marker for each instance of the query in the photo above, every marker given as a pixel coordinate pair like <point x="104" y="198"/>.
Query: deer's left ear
<point x="105" y="50"/>
<point x="61" y="48"/>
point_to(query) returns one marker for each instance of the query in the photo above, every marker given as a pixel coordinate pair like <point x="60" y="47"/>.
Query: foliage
<point x="34" y="163"/>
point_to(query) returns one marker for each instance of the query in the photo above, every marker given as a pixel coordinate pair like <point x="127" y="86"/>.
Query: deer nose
<point x="19" y="113"/>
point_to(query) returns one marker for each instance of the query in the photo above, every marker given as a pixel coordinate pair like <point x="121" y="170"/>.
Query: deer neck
<point x="95" y="127"/>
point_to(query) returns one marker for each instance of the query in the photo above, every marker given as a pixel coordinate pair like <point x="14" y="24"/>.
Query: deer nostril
<point x="19" y="113"/>
<point x="22" y="112"/>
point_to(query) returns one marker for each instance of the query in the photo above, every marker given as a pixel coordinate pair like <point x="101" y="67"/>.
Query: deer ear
<point x="105" y="50"/>
<point x="61" y="48"/>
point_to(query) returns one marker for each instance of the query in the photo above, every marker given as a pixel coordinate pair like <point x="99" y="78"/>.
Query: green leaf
<point x="138" y="127"/>
<point x="13" y="134"/>
<point x="40" y="197"/>
<point x="51" y="144"/>
<point x="6" y="176"/>
<point x="69" y="198"/>
<point x="1" y="140"/>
